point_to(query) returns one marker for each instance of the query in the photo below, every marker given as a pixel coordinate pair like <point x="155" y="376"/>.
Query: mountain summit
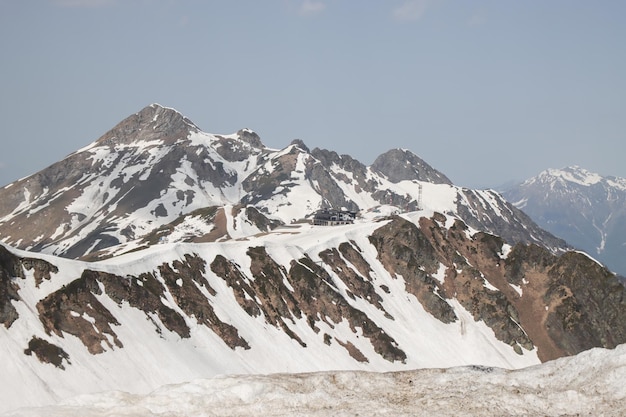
<point x="157" y="177"/>
<point x="584" y="208"/>
<point x="401" y="164"/>
<point x="153" y="123"/>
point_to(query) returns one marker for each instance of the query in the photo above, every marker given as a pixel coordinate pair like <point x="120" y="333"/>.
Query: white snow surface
<point x="150" y="359"/>
<point x="591" y="383"/>
<point x="576" y="175"/>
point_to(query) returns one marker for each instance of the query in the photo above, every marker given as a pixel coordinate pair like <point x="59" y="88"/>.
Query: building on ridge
<point x="332" y="217"/>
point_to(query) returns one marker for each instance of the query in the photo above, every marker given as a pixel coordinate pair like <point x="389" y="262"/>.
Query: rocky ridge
<point x="150" y="175"/>
<point x="374" y="291"/>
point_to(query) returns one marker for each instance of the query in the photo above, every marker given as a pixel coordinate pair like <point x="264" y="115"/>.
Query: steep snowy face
<point x="156" y="177"/>
<point x="402" y="292"/>
<point x="584" y="208"/>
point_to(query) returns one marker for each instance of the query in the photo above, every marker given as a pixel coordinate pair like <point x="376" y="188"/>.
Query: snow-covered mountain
<point x="584" y="208"/>
<point x="188" y="255"/>
<point x="590" y="384"/>
<point x="398" y="293"/>
<point x="157" y="177"/>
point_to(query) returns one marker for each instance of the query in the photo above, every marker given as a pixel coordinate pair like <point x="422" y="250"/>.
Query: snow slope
<point x="152" y="358"/>
<point x="591" y="383"/>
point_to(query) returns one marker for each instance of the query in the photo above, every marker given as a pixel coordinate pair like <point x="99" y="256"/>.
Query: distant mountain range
<point x="584" y="208"/>
<point x="160" y="254"/>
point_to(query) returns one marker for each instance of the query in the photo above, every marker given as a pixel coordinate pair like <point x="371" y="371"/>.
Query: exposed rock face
<point x="398" y="165"/>
<point x="164" y="124"/>
<point x="264" y="182"/>
<point x="47" y="352"/>
<point x="529" y="298"/>
<point x="304" y="291"/>
<point x="569" y="303"/>
<point x="9" y="269"/>
<point x="75" y="310"/>
<point x="406" y="252"/>
<point x="328" y="188"/>
<point x="475" y="207"/>
<point x="231" y="149"/>
<point x="188" y="287"/>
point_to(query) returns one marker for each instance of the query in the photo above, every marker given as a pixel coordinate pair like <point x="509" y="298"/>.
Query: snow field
<point x="590" y="383"/>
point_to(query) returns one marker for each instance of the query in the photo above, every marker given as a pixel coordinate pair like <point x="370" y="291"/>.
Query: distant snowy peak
<point x="586" y="209"/>
<point x="574" y="175"/>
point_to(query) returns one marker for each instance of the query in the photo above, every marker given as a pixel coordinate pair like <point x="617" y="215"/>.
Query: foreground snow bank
<point x="591" y="383"/>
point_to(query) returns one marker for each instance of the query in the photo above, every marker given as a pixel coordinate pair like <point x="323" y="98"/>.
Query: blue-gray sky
<point x="484" y="91"/>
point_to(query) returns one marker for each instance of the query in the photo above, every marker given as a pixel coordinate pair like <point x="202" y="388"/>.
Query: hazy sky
<point x="484" y="91"/>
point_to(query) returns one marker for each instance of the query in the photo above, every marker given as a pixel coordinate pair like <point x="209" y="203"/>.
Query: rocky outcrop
<point x="152" y="123"/>
<point x="569" y="303"/>
<point x="529" y="297"/>
<point x="47" y="352"/>
<point x="476" y="209"/>
<point x="237" y="149"/>
<point x="10" y="268"/>
<point x="305" y="291"/>
<point x="186" y="283"/>
<point x="400" y="165"/>
<point x="406" y="253"/>
<point x="75" y="309"/>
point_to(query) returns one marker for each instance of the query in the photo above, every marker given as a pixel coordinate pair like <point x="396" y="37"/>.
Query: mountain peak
<point x="152" y="123"/>
<point x="580" y="206"/>
<point x="571" y="174"/>
<point x="251" y="137"/>
<point x="401" y="164"/>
